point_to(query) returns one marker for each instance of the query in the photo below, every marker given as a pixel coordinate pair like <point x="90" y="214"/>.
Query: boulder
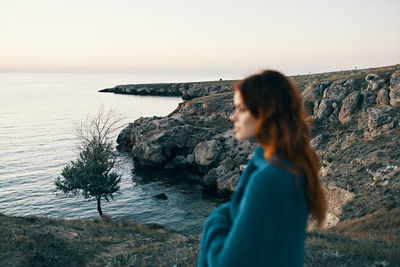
<point x="395" y="89"/>
<point x="337" y="91"/>
<point x="209" y="180"/>
<point x="349" y="106"/>
<point x="378" y="118"/>
<point x="161" y="196"/>
<point x="371" y="77"/>
<point x="350" y="83"/>
<point x="205" y="153"/>
<point x="228" y="182"/>
<point x="374" y="82"/>
<point x="380" y="121"/>
<point x="312" y="93"/>
<point x="369" y="100"/>
<point x="382" y="98"/>
<point x="148" y="154"/>
<point x="325" y="108"/>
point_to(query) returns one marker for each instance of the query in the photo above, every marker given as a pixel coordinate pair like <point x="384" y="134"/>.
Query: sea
<point x="38" y="117"/>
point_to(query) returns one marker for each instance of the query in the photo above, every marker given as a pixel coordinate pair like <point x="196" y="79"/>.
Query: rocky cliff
<point x="355" y="133"/>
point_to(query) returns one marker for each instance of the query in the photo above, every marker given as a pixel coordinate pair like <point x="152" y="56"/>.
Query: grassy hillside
<point x="34" y="241"/>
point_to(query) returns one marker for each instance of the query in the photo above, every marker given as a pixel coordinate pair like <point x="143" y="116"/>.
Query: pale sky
<point x="230" y="37"/>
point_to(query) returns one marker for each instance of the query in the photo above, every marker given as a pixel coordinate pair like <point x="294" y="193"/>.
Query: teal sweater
<point x="264" y="223"/>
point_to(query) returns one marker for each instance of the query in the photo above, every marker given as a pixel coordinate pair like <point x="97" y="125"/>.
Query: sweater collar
<point x="260" y="161"/>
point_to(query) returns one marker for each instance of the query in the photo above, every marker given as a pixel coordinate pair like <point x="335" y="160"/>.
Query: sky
<point x="233" y="38"/>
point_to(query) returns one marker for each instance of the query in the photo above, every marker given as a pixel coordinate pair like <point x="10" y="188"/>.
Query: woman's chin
<point x="238" y="137"/>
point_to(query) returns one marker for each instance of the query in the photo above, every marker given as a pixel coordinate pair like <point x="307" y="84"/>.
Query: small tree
<point x="91" y="174"/>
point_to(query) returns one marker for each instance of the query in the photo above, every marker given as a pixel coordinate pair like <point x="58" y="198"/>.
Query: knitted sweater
<point x="264" y="223"/>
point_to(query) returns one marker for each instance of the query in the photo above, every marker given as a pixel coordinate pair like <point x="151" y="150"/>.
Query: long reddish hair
<point x="283" y="129"/>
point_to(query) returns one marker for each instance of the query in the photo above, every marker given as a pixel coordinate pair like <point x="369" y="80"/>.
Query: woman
<point x="264" y="223"/>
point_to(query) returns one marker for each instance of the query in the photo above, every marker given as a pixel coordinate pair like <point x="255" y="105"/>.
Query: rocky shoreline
<point x="186" y="90"/>
<point x="355" y="133"/>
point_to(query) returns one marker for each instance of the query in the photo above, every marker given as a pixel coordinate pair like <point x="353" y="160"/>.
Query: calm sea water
<point x="37" y="117"/>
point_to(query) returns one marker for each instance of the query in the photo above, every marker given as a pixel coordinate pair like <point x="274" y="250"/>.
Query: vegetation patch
<point x="35" y="241"/>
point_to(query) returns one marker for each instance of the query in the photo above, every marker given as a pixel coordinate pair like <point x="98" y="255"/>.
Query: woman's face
<point x="244" y="122"/>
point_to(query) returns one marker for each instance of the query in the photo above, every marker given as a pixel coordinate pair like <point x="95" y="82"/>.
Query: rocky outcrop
<point x="186" y="90"/>
<point x="197" y="136"/>
<point x="395" y="89"/>
<point x="349" y="106"/>
<point x="355" y="133"/>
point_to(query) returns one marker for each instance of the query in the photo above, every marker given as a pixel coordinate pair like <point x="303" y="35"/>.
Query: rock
<point x="379" y="121"/>
<point x="374" y="82"/>
<point x="369" y="100"/>
<point x="205" y="153"/>
<point x="337" y="91"/>
<point x="148" y="154"/>
<point x="395" y="89"/>
<point x="350" y="83"/>
<point x="382" y="99"/>
<point x="337" y="198"/>
<point x="156" y="141"/>
<point x="371" y="77"/>
<point x="161" y="196"/>
<point x="228" y="163"/>
<point x="349" y="106"/>
<point x="325" y="108"/>
<point x="318" y="141"/>
<point x="177" y="163"/>
<point x="228" y="182"/>
<point x="190" y="159"/>
<point x="124" y="138"/>
<point x="376" y="85"/>
<point x="335" y="113"/>
<point x="209" y="180"/>
<point x="378" y="117"/>
<point x="242" y="167"/>
<point x="312" y="93"/>
<point x="383" y="175"/>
